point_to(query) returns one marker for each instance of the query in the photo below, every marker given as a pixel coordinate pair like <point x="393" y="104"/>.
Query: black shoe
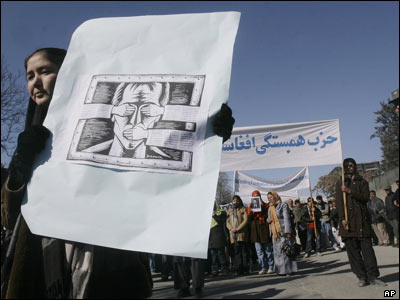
<point x="376" y="281"/>
<point x="225" y="272"/>
<point x="214" y="274"/>
<point x="238" y="273"/>
<point x="164" y="278"/>
<point x="362" y="283"/>
<point x="198" y="292"/>
<point x="182" y="293"/>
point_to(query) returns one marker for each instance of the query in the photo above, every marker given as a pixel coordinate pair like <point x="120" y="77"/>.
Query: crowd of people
<point x="241" y="239"/>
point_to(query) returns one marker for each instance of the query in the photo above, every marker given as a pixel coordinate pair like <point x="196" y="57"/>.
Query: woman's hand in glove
<point x="223" y="122"/>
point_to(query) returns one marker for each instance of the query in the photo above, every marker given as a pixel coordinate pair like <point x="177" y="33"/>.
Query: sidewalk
<point x="319" y="277"/>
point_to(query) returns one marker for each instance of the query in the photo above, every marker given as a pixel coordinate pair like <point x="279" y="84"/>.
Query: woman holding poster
<point x="280" y="225"/>
<point x="260" y="235"/>
<point x="43" y="267"/>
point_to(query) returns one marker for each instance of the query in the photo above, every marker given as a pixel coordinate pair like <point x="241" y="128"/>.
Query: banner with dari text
<point x="283" y="146"/>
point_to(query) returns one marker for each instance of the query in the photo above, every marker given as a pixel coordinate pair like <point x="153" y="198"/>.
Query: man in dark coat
<point x="356" y="231"/>
<point x="392" y="213"/>
<point x="376" y="208"/>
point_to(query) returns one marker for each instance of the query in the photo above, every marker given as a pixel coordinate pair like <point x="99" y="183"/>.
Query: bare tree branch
<point x="13" y="109"/>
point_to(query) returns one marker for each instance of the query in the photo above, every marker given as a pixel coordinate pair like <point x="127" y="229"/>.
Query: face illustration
<point x="143" y="102"/>
<point x="41" y="75"/>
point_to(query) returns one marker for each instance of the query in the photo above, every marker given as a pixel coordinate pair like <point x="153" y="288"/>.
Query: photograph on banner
<point x="226" y="207"/>
<point x="255" y="204"/>
<point x="282" y="146"/>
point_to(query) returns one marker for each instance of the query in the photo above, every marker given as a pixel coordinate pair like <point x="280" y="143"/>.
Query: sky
<point x="292" y="61"/>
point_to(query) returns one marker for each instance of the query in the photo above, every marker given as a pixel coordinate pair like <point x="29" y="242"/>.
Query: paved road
<point x="319" y="277"/>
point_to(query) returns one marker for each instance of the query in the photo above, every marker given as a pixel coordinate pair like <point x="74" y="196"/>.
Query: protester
<point x="260" y="235"/>
<point x="300" y="226"/>
<point x="326" y="230"/>
<point x="186" y="268"/>
<point x="395" y="101"/>
<point x="38" y="269"/>
<point x="392" y="214"/>
<point x="237" y="226"/>
<point x="216" y="242"/>
<point x="396" y="199"/>
<point x="311" y="215"/>
<point x="51" y="268"/>
<point x="280" y="224"/>
<point x="152" y="262"/>
<point x="167" y="267"/>
<point x="356" y="229"/>
<point x="376" y="209"/>
<point x="335" y="224"/>
<point x="290" y="204"/>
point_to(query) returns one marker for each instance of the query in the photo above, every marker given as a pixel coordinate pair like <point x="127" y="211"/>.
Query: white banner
<point x="282" y="146"/>
<point x="129" y="114"/>
<point x="287" y="187"/>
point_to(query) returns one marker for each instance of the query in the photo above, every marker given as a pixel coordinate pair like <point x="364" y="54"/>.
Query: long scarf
<point x="275" y="225"/>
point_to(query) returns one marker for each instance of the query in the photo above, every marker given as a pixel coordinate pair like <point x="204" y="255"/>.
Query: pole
<point x="345" y="202"/>
<point x="312" y="205"/>
<point x="234" y="182"/>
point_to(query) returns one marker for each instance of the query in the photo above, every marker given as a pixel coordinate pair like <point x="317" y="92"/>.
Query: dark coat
<point x="334" y="217"/>
<point x="359" y="218"/>
<point x="375" y="206"/>
<point x="218" y="237"/>
<point x="259" y="228"/>
<point x="390" y="207"/>
<point x="307" y="218"/>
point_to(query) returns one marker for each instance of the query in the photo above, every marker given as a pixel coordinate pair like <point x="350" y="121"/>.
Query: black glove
<point x="223" y="122"/>
<point x="30" y="142"/>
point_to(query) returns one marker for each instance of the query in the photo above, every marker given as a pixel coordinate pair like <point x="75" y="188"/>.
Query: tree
<point x="13" y="109"/>
<point x="224" y="191"/>
<point x="327" y="184"/>
<point x="387" y="130"/>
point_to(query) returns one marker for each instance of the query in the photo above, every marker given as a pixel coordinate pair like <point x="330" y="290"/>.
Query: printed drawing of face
<point x="140" y="105"/>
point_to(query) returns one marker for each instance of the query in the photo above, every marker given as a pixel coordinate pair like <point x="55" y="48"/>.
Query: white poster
<point x="245" y="184"/>
<point x="125" y="165"/>
<point x="282" y="146"/>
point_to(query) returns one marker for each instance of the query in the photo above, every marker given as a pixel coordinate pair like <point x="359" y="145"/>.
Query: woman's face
<point x="41" y="75"/>
<point x="270" y="198"/>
